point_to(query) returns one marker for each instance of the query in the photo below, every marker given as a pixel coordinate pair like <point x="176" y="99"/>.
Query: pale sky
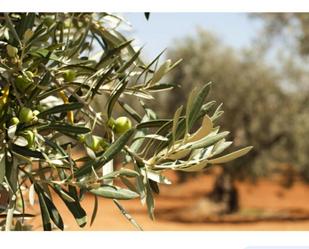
<point x="234" y="29"/>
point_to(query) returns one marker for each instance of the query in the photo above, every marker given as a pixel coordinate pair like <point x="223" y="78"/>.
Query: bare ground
<point x="264" y="206"/>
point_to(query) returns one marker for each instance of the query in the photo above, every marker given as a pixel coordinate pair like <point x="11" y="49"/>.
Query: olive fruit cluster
<point x="26" y="116"/>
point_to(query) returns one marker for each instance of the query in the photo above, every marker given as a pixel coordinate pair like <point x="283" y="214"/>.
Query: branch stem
<point x="10" y="213"/>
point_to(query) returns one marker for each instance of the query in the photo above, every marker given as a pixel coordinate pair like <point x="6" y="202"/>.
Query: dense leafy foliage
<point x="54" y="142"/>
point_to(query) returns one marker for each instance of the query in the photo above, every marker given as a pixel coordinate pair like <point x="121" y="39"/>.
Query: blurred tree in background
<point x="292" y="31"/>
<point x="260" y="109"/>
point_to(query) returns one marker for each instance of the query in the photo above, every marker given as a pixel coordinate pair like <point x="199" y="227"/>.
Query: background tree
<point x="291" y="30"/>
<point x="259" y="110"/>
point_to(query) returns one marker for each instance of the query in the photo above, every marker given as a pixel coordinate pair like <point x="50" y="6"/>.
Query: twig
<point x="10" y="213"/>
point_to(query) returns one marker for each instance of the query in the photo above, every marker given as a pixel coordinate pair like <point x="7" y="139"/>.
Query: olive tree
<point x="258" y="110"/>
<point x="292" y="31"/>
<point x="54" y="141"/>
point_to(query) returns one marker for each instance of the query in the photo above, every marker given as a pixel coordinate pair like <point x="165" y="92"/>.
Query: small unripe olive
<point x="69" y="75"/>
<point x="122" y="124"/>
<point x="25" y="115"/>
<point x="93" y="142"/>
<point x="12" y="51"/>
<point x="14" y="121"/>
<point x="28" y="34"/>
<point x="22" y="82"/>
<point x="67" y="23"/>
<point x="48" y="21"/>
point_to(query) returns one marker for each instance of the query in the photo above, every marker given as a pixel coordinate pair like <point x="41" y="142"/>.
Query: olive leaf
<point x="114" y="193"/>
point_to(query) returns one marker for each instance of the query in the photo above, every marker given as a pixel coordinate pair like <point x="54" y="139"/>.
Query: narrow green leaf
<point x="64" y="194"/>
<point x="74" y="207"/>
<point x="52" y="91"/>
<point x="160" y="87"/>
<point x="12" y="29"/>
<point x="130" y="111"/>
<point x="157" y="177"/>
<point x="66" y="128"/>
<point x="60" y="109"/>
<point x="231" y="156"/>
<point x="121" y="172"/>
<point x="151" y="136"/>
<point x="111" y="52"/>
<point x="95" y="210"/>
<point x="207" y="141"/>
<point x="149" y="201"/>
<point x="2" y="167"/>
<point x="44" y="211"/>
<point x="203" y="131"/>
<point x="140" y="184"/>
<point x="114" y="97"/>
<point x="27" y="152"/>
<point x="153" y="123"/>
<point x="129" y="62"/>
<point x="190" y="100"/>
<point x="52" y="210"/>
<point x="197" y="103"/>
<point x="43" y="82"/>
<point x="220" y="147"/>
<point x="158" y="75"/>
<point x="117" y="146"/>
<point x="175" y="122"/>
<point x="114" y="193"/>
<point x="27" y="23"/>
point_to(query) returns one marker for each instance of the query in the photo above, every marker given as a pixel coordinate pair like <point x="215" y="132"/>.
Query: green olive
<point x="48" y="21"/>
<point x="12" y="51"/>
<point x="26" y="115"/>
<point x="22" y="82"/>
<point x="69" y="75"/>
<point x="67" y="23"/>
<point x="122" y="124"/>
<point x="14" y="121"/>
<point x="94" y="142"/>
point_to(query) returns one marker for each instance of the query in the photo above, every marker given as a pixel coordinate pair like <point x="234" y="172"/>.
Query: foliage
<point x="291" y="28"/>
<point x="259" y="111"/>
<point x="53" y="66"/>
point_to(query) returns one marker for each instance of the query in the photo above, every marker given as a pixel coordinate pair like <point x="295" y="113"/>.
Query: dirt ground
<point x="265" y="195"/>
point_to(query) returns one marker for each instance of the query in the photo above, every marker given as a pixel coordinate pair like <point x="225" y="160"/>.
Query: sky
<point x="234" y="29"/>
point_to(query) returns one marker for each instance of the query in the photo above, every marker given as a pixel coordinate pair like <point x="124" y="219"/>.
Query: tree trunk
<point x="225" y="192"/>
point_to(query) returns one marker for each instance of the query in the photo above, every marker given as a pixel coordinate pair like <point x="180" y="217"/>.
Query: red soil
<point x="265" y="195"/>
